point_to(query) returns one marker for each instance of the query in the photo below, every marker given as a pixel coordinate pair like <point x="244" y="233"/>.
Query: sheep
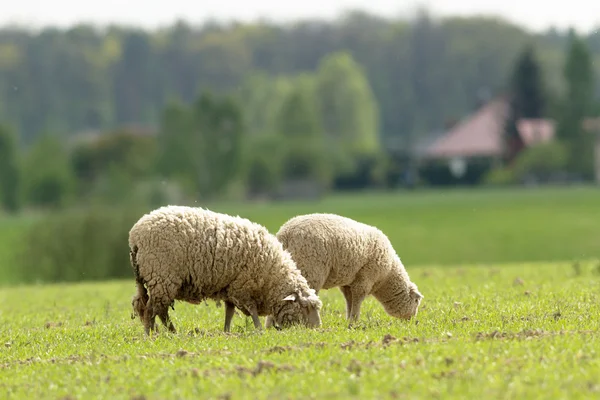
<point x="335" y="251"/>
<point x="192" y="254"/>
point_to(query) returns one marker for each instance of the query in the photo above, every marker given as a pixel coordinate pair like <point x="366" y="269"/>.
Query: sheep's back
<point x="328" y="248"/>
<point x="207" y="251"/>
<point x="174" y="241"/>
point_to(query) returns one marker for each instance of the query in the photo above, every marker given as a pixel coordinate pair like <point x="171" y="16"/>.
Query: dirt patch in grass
<point x="528" y="334"/>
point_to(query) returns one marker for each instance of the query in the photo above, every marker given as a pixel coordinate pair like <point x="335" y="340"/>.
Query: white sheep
<point x="335" y="251"/>
<point x="192" y="254"/>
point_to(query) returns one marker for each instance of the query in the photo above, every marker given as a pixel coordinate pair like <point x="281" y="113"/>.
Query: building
<point x="477" y="140"/>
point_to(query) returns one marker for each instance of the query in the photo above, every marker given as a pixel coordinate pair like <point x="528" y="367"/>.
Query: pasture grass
<point x="427" y="227"/>
<point x="462" y="226"/>
<point x="517" y="331"/>
<point x="12" y="229"/>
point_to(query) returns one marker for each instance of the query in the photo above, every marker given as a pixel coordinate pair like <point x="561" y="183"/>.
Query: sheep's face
<point x="138" y="303"/>
<point x="299" y="308"/>
<point x="403" y="304"/>
<point x="411" y="304"/>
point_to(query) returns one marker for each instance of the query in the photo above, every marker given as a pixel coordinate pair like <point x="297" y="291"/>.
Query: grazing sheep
<point x="335" y="251"/>
<point x="191" y="254"/>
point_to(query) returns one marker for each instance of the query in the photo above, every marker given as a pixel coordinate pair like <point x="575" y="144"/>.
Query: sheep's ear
<point x="291" y="297"/>
<point x="313" y="296"/>
<point x="415" y="294"/>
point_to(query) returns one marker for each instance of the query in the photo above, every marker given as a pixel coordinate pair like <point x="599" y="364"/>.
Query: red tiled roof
<point x="591" y="124"/>
<point x="536" y="131"/>
<point x="478" y="135"/>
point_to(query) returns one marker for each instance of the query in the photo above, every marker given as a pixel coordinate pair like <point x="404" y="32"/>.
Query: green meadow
<point x="511" y="280"/>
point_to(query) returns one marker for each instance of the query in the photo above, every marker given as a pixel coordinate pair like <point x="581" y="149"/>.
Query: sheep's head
<point x="301" y="307"/>
<point x="414" y="301"/>
<point x="139" y="301"/>
<point x="403" y="304"/>
<point x="139" y="307"/>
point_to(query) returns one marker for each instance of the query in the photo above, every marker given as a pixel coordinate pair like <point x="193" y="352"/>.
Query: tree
<point x="348" y="108"/>
<point x="48" y="178"/>
<point x="262" y="97"/>
<point x="9" y="171"/>
<point x="174" y="140"/>
<point x="263" y="171"/>
<point x="526" y="98"/>
<point x="298" y="115"/>
<point x="305" y="146"/>
<point x="217" y="143"/>
<point x="124" y="153"/>
<point x="577" y="104"/>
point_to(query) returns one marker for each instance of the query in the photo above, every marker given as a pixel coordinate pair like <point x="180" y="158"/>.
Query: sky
<point x="535" y="15"/>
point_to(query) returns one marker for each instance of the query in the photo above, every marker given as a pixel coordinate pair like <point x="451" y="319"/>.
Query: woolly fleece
<point x="335" y="251"/>
<point x="190" y="254"/>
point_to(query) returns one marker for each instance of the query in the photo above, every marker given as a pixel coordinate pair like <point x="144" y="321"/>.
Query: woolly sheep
<point x="192" y="254"/>
<point x="335" y="251"/>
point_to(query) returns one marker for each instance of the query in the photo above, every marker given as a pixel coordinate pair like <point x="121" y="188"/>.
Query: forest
<point x="240" y="109"/>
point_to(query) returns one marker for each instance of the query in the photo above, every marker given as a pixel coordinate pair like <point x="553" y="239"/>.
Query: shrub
<point x="263" y="169"/>
<point x="88" y="244"/>
<point x="500" y="177"/>
<point x="542" y="161"/>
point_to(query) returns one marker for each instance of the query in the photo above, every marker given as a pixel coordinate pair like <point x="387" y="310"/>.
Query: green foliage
<point x="577" y="104"/>
<point x="174" y="140"/>
<point x="307" y="158"/>
<point x="305" y="147"/>
<point x="298" y="115"/>
<point x="542" y="161"/>
<point x="10" y="175"/>
<point x="527" y="97"/>
<point x="527" y="85"/>
<point x="202" y="145"/>
<point x="348" y="108"/>
<point x="48" y="178"/>
<point x="217" y="136"/>
<point x="123" y="154"/>
<point x="520" y="331"/>
<point x="500" y="177"/>
<point x="506" y="224"/>
<point x="75" y="245"/>
<point x="263" y="171"/>
<point x="262" y="97"/>
<point x="421" y="71"/>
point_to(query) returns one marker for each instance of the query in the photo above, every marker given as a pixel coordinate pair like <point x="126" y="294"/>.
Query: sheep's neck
<point x="390" y="288"/>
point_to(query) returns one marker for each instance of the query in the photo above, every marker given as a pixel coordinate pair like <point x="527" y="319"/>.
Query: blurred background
<point x="468" y="133"/>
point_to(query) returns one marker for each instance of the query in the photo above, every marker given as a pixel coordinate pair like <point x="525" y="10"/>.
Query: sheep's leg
<point x="256" y="321"/>
<point x="348" y="296"/>
<point x="149" y="318"/>
<point x="358" y="294"/>
<point x="163" y="314"/>
<point x="268" y="321"/>
<point x="254" y="314"/>
<point x="158" y="305"/>
<point x="229" y="311"/>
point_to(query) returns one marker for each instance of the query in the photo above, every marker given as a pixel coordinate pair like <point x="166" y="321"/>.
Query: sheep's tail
<point x="141" y="297"/>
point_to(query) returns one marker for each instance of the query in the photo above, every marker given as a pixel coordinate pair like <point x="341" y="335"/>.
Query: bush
<point x="542" y="161"/>
<point x="48" y="178"/>
<point x="89" y="244"/>
<point x="263" y="171"/>
<point x="500" y="177"/>
<point x="306" y="158"/>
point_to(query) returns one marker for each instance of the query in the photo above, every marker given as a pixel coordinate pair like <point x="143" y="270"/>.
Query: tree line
<point x="209" y="111"/>
<point x="424" y="72"/>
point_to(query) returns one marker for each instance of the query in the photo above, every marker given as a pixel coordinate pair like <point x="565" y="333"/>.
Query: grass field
<point x="464" y="226"/>
<point x="521" y="331"/>
<point x="486" y="328"/>
<point x="431" y="227"/>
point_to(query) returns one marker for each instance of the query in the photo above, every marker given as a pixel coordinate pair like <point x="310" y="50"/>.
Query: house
<point x="478" y="139"/>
